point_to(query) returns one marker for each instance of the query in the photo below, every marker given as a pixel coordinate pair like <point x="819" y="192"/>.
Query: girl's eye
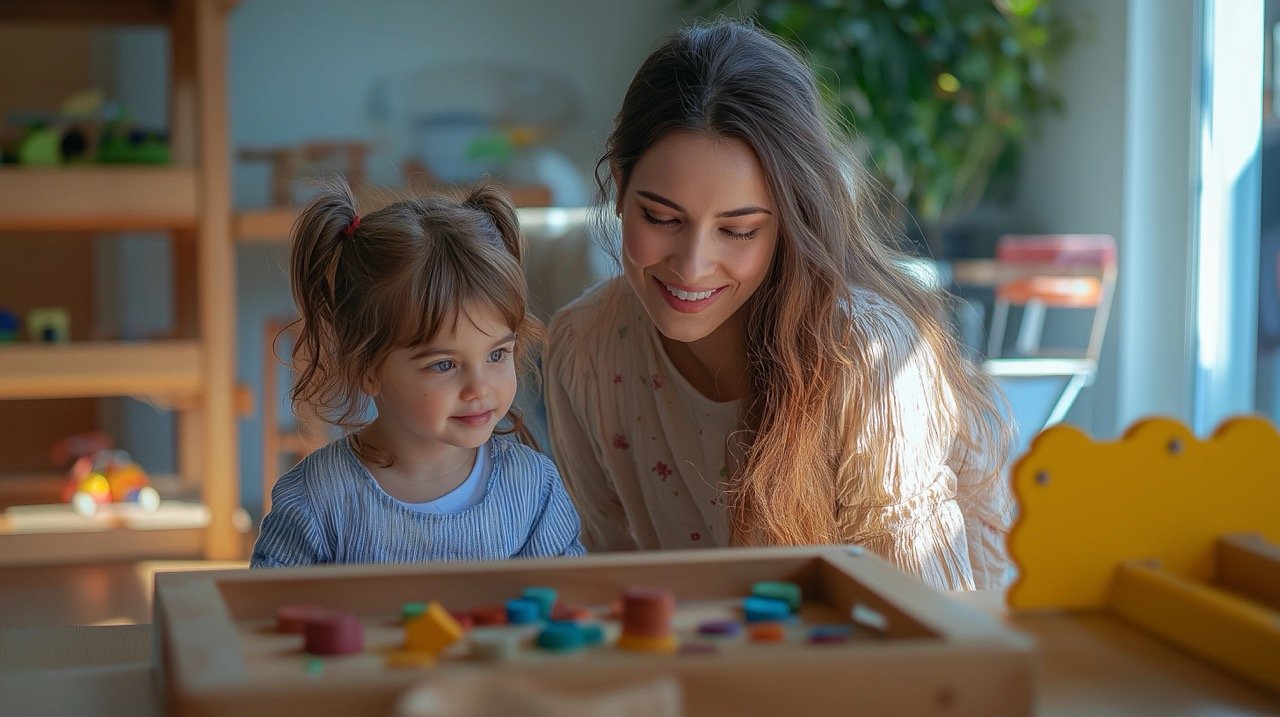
<point x="499" y="355"/>
<point x="741" y="235"/>
<point x="444" y="366"/>
<point x="655" y="220"/>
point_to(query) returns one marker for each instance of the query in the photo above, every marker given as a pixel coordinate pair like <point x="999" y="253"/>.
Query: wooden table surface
<point x="1090" y="666"/>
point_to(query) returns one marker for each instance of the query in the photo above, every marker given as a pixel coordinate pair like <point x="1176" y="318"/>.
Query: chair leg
<point x="1067" y="398"/>
<point x="1031" y="328"/>
<point x="999" y="316"/>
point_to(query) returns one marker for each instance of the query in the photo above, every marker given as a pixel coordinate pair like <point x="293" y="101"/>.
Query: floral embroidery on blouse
<point x="603" y="379"/>
<point x="620" y="442"/>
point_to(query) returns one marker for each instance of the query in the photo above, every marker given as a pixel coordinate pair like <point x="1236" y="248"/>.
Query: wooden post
<point x="216" y="270"/>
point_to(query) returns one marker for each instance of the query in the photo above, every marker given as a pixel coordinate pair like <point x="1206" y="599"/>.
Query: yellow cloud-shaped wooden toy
<point x="1174" y="534"/>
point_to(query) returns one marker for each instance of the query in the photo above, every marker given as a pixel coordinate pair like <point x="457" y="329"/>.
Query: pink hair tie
<point x="351" y="228"/>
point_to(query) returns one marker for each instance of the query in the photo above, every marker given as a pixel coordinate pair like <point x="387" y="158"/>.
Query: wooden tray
<point x="914" y="651"/>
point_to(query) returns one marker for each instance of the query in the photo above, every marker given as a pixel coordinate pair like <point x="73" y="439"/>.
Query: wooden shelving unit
<point x="101" y="368"/>
<point x="272" y="224"/>
<point x="97" y="198"/>
<point x="191" y="200"/>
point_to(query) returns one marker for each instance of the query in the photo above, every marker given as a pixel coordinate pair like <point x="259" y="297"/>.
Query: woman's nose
<point x="694" y="256"/>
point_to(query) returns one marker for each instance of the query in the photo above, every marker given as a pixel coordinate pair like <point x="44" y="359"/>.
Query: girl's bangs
<point x="441" y="309"/>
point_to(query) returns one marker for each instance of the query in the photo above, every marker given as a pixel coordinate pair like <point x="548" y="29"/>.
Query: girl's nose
<point x="475" y="388"/>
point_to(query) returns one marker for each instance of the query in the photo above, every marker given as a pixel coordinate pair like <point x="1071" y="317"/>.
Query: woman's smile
<point x="687" y="300"/>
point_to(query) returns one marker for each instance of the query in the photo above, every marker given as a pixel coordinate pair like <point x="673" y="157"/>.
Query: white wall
<point x="1162" y="169"/>
<point x="1072" y="174"/>
<point x="301" y="69"/>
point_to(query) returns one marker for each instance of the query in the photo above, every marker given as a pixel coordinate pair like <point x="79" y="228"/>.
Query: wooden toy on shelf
<point x="102" y="474"/>
<point x="292" y="165"/>
<point x="1174" y="535"/>
<point x="294" y="162"/>
<point x="221" y="648"/>
<point x="109" y="476"/>
<point x="49" y="324"/>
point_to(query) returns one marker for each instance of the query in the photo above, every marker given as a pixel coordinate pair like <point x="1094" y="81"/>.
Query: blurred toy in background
<point x="291" y="166"/>
<point x="39" y="148"/>
<point x="10" y="326"/>
<point x="494" y="118"/>
<point x="124" y="144"/>
<point x="102" y="474"/>
<point x="49" y="324"/>
<point x="86" y="128"/>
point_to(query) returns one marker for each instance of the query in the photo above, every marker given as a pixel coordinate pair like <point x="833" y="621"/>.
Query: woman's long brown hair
<point x="813" y="420"/>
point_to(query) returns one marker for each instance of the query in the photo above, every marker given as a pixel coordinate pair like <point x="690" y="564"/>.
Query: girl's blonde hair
<point x="366" y="286"/>
<point x="815" y="411"/>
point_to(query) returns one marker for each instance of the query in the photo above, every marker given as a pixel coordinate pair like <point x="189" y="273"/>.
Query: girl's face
<point x="453" y="390"/>
<point x="699" y="230"/>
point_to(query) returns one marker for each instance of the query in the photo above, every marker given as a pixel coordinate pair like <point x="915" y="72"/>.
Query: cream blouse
<point x="643" y="454"/>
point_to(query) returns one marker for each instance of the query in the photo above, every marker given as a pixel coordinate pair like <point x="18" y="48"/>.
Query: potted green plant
<point x="939" y="93"/>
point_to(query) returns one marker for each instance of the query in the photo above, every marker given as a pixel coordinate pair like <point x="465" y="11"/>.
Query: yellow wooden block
<point x="666" y="645"/>
<point x="408" y="659"/>
<point x="432" y="631"/>
<point x="1158" y="493"/>
<point x="1238" y="634"/>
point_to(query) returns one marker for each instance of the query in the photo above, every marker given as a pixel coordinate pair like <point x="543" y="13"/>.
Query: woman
<point x="764" y="373"/>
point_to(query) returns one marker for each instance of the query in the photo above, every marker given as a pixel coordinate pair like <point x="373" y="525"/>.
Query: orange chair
<point x="1039" y="273"/>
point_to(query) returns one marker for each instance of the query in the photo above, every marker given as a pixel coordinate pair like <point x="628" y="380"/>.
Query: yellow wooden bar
<point x="1239" y="635"/>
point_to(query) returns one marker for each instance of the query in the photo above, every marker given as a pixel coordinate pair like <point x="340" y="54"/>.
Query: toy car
<point x="108" y="476"/>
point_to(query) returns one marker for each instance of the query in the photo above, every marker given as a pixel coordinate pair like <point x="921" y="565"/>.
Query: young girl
<point x="420" y="307"/>
<point x="765" y="373"/>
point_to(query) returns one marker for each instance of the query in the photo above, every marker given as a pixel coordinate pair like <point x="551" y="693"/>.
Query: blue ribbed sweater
<point x="329" y="509"/>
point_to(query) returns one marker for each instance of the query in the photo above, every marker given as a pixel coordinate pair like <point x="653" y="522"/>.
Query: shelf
<point x="262" y="225"/>
<point x="48" y="534"/>
<point x="273" y="223"/>
<point x="18" y="490"/>
<point x="105" y="12"/>
<point x="96" y="198"/>
<point x="94" y="12"/>
<point x="96" y="369"/>
<point x="190" y="200"/>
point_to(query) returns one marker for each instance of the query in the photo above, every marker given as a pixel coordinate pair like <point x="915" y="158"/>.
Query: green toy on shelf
<point x="49" y="324"/>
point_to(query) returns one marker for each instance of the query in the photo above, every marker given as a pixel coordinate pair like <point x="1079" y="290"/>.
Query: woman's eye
<point x="657" y="221"/>
<point x="499" y="355"/>
<point x="741" y="235"/>
<point x="442" y="366"/>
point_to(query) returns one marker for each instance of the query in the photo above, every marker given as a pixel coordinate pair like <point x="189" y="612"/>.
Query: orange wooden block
<point x="766" y="632"/>
<point x="432" y="631"/>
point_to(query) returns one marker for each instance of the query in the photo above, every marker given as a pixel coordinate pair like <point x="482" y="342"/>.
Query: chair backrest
<point x="1075" y="271"/>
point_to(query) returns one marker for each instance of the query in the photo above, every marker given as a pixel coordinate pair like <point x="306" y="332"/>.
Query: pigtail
<point x="496" y="204"/>
<point x="318" y="239"/>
